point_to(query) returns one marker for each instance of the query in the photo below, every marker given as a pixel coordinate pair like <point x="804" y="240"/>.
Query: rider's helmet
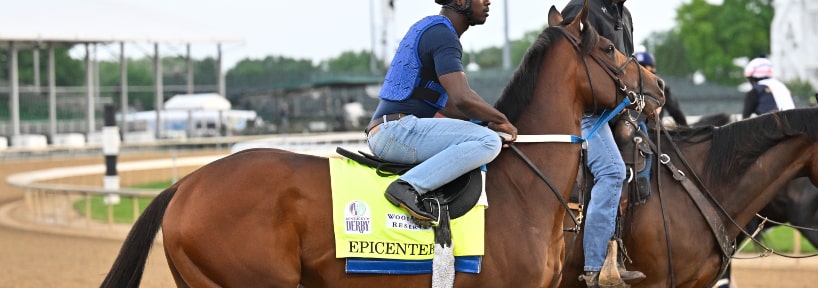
<point x="645" y="58"/>
<point x="759" y="68"/>
<point x="465" y="10"/>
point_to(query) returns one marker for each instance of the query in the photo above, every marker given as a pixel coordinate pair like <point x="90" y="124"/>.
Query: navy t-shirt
<point x="440" y="53"/>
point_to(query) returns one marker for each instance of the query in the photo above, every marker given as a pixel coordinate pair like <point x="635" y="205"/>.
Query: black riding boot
<point x="402" y="194"/>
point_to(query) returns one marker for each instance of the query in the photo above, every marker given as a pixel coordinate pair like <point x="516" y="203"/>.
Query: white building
<point x="196" y="115"/>
<point x="794" y="40"/>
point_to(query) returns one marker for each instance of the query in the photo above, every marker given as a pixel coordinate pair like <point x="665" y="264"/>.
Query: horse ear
<point x="554" y="16"/>
<point x="583" y="16"/>
<point x="578" y="23"/>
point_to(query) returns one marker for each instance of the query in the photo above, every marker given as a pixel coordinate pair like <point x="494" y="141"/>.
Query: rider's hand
<point x="506" y="128"/>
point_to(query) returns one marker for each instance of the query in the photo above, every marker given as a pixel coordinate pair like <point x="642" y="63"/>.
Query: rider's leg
<point x="608" y="168"/>
<point x="445" y="148"/>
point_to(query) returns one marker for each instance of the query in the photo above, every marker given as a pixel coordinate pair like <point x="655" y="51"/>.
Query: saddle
<point x="458" y="196"/>
<point x="637" y="155"/>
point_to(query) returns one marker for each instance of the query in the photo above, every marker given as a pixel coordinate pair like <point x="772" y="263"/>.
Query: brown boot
<point x="631" y="277"/>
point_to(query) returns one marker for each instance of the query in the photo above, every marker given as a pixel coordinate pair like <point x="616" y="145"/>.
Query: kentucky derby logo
<point x="357" y="218"/>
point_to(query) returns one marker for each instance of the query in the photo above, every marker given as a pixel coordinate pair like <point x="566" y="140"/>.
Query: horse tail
<point x="130" y="263"/>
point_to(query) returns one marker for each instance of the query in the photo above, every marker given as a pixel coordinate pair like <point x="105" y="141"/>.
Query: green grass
<point x="780" y="239"/>
<point x="122" y="212"/>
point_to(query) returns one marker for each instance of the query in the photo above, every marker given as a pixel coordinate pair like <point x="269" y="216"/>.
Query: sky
<point x="323" y="29"/>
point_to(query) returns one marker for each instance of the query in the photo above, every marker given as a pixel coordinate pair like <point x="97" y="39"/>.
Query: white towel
<point x="783" y="98"/>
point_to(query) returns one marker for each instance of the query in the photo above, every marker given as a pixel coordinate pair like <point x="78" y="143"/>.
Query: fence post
<point x="110" y="148"/>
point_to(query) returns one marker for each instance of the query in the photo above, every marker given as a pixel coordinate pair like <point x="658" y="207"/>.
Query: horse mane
<point x="718" y="119"/>
<point x="736" y="146"/>
<point x="520" y="89"/>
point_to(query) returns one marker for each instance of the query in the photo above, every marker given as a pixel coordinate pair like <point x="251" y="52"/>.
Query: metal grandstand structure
<point x="91" y="23"/>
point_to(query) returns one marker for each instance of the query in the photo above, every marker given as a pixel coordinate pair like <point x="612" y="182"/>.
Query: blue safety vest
<point x="403" y="77"/>
<point x="766" y="100"/>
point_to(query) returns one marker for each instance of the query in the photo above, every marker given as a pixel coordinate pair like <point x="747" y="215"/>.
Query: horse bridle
<point x="636" y="97"/>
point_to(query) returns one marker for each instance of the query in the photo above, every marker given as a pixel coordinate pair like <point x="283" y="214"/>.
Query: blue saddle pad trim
<point x="464" y="264"/>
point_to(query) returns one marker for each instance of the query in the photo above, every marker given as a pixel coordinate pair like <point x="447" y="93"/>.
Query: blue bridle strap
<point x="607" y="115"/>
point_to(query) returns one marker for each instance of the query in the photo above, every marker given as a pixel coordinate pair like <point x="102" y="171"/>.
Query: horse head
<point x="601" y="60"/>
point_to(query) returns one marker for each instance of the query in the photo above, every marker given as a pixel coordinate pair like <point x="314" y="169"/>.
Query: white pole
<point x="372" y="60"/>
<point x="506" y="44"/>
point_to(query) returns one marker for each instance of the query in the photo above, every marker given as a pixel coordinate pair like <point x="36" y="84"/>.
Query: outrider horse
<point x="737" y="170"/>
<point x="262" y="217"/>
<point x="796" y="204"/>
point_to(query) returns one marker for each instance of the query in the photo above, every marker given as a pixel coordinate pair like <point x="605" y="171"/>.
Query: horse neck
<point x="554" y="109"/>
<point x="773" y="170"/>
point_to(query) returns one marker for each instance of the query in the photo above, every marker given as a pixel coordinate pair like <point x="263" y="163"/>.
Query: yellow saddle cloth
<point x="366" y="225"/>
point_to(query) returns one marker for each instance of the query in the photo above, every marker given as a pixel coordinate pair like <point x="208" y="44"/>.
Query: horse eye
<point x="609" y="49"/>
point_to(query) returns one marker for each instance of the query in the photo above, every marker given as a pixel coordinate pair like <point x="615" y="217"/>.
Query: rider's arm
<point x="463" y="102"/>
<point x="750" y="103"/>
<point x="468" y="103"/>
<point x="672" y="108"/>
<point x="452" y="112"/>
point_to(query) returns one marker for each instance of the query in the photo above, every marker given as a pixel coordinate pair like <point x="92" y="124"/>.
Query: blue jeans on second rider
<point x="447" y="147"/>
<point x="606" y="164"/>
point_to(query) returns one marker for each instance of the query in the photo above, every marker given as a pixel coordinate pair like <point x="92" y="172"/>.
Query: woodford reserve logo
<point x="357" y="218"/>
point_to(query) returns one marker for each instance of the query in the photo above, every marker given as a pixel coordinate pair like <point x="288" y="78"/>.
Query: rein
<point x="767" y="250"/>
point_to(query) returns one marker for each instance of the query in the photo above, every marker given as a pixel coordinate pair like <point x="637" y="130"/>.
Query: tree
<point x="349" y="62"/>
<point x="669" y="53"/>
<point x="67" y="71"/>
<point x="272" y="72"/>
<point x="489" y="58"/>
<point x="492" y="57"/>
<point x="714" y="35"/>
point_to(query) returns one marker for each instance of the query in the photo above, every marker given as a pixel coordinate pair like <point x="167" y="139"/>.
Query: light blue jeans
<point x="446" y="147"/>
<point x="606" y="164"/>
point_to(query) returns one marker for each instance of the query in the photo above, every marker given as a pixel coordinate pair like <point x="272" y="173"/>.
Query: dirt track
<point x="32" y="259"/>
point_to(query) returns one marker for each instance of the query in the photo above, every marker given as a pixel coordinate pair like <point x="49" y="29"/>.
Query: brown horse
<point x="797" y="204"/>
<point x="262" y="217"/>
<point x="743" y="166"/>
